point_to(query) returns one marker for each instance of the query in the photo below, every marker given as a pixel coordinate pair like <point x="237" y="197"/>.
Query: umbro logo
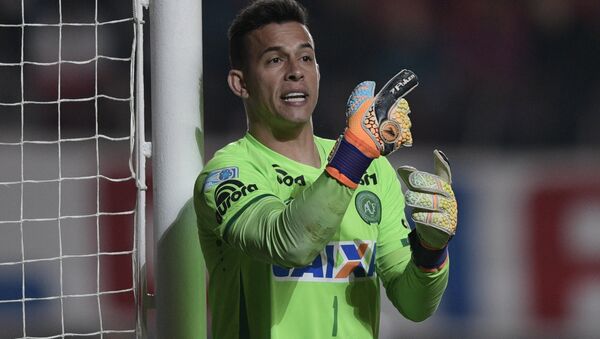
<point x="369" y="179"/>
<point x="284" y="178"/>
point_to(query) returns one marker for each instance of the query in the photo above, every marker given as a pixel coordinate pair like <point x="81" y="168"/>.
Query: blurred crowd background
<point x="508" y="88"/>
<point x="495" y="74"/>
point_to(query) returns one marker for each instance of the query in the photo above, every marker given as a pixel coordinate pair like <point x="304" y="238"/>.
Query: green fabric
<point x="180" y="299"/>
<point x="261" y="214"/>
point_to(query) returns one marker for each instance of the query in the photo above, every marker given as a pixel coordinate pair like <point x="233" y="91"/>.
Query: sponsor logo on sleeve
<point x="368" y="207"/>
<point x="285" y="179"/>
<point x="219" y="175"/>
<point x="369" y="179"/>
<point x="341" y="261"/>
<point x="229" y="192"/>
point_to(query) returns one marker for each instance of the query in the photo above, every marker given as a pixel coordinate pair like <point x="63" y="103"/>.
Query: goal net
<point x="67" y="179"/>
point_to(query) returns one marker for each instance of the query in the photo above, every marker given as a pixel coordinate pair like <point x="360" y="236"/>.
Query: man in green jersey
<point x="298" y="231"/>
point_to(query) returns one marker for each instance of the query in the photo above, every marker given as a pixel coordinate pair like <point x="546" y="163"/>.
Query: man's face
<point x="281" y="75"/>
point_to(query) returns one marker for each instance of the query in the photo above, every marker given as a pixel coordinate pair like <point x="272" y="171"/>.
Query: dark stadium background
<point x="509" y="89"/>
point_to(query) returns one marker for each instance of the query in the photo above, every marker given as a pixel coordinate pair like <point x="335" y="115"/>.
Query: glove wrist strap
<point x="347" y="164"/>
<point x="367" y="148"/>
<point x="428" y="260"/>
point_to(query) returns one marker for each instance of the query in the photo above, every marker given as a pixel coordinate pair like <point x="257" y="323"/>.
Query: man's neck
<point x="297" y="144"/>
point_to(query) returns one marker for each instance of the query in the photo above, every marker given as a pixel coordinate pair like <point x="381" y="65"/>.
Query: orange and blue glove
<point x="376" y="125"/>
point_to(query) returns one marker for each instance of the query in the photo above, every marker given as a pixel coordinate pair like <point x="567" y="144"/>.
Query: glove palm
<point x="435" y="209"/>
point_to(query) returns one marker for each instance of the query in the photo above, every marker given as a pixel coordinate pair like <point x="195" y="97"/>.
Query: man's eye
<point x="307" y="58"/>
<point x="275" y="60"/>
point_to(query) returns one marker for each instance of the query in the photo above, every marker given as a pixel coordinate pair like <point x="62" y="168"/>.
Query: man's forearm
<point x="292" y="235"/>
<point x="416" y="294"/>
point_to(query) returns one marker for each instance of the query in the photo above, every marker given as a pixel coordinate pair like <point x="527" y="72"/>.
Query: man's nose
<point x="294" y="72"/>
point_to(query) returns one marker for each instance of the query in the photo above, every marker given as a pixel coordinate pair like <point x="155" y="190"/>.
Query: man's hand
<point x="379" y="124"/>
<point x="376" y="125"/>
<point x="435" y="209"/>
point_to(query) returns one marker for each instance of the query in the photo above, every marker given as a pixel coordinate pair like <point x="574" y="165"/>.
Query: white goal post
<point x="176" y="32"/>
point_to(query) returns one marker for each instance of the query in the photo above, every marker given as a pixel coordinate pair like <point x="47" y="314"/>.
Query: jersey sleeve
<point x="416" y="294"/>
<point x="241" y="209"/>
<point x="225" y="189"/>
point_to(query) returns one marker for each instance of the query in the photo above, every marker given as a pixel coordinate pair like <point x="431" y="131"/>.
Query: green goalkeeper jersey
<point x="251" y="202"/>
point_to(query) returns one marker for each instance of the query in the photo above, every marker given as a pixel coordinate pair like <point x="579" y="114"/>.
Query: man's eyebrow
<point x="306" y="45"/>
<point x="280" y="48"/>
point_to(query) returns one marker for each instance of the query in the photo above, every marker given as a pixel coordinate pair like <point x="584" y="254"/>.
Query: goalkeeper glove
<point x="376" y="125"/>
<point x="435" y="210"/>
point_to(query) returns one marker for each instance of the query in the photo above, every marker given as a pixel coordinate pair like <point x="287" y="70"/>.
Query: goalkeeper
<point x="298" y="231"/>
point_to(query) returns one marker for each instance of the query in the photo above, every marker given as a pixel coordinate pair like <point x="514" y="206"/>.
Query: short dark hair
<point x="256" y="15"/>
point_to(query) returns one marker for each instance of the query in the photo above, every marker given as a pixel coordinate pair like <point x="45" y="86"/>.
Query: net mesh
<point x="67" y="188"/>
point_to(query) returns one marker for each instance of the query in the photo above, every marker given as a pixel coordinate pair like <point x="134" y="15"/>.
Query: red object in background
<point x="556" y="268"/>
<point x="116" y="235"/>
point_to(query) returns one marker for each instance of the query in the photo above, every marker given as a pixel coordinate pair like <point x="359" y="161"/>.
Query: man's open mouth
<point x="294" y="97"/>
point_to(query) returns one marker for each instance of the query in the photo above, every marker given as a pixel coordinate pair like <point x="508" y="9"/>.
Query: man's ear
<point x="318" y="72"/>
<point x="236" y="82"/>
